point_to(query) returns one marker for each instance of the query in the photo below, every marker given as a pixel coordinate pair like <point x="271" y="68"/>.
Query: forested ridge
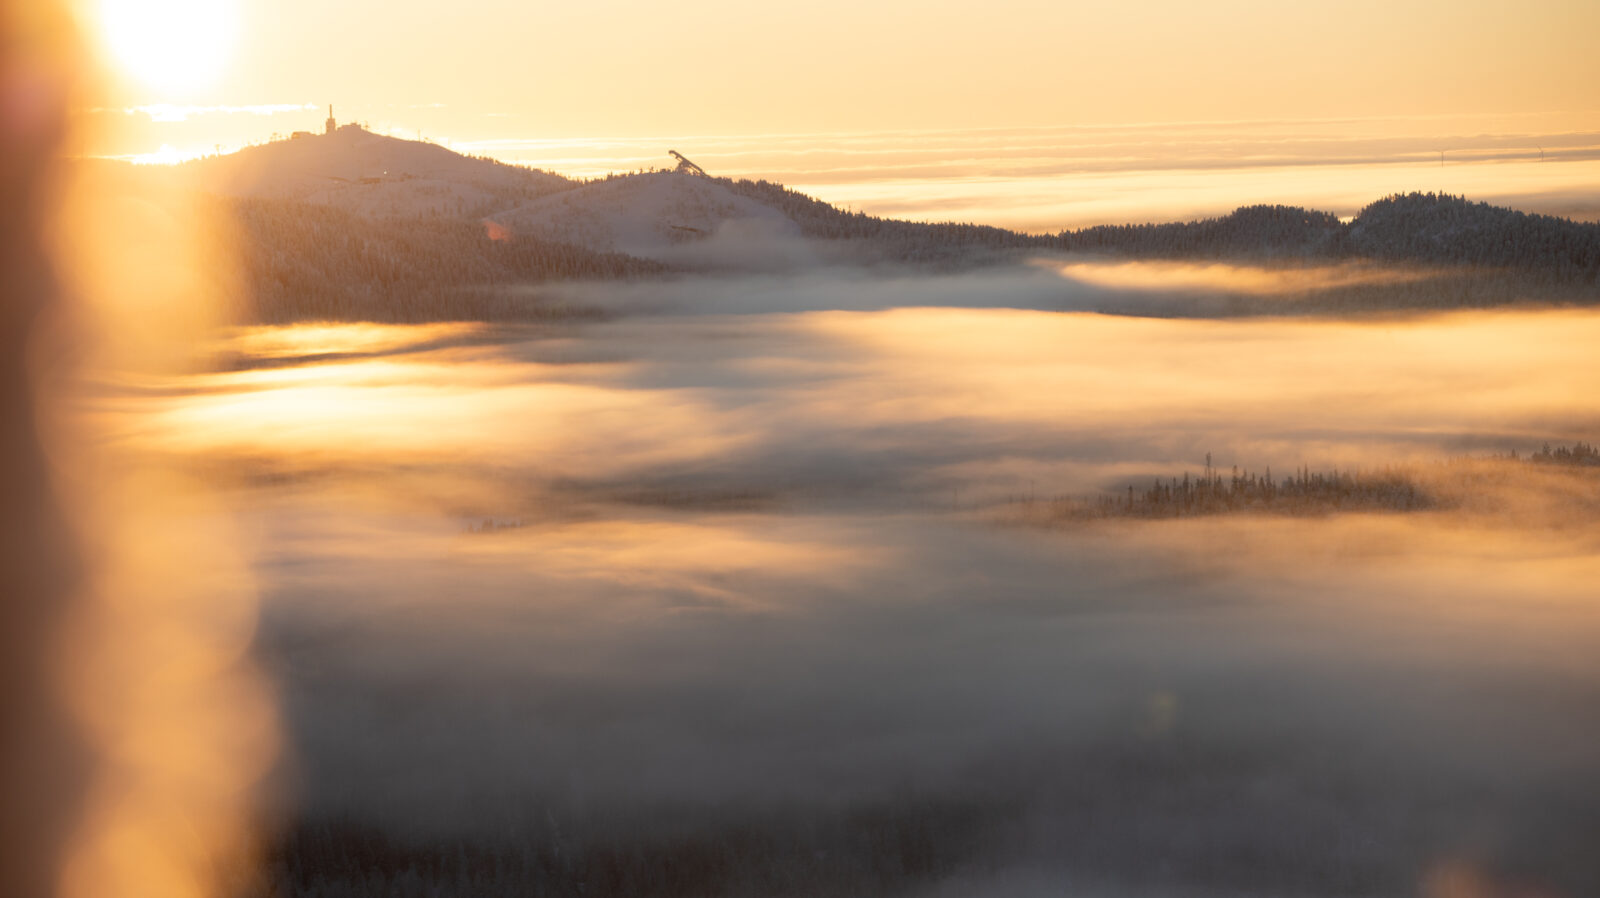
<point x="302" y="261"/>
<point x="1451" y="484"/>
<point x="1423" y="228"/>
<point x="1452" y="230"/>
<point x="894" y="239"/>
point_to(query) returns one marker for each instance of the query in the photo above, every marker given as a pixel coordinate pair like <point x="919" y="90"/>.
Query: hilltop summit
<point x="355" y="225"/>
<point x="372" y="174"/>
<point x="1454" y="230"/>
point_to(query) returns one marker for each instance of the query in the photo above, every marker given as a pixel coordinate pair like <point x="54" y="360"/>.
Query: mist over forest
<point x="799" y="450"/>
<point x="663" y="534"/>
<point x="356" y="226"/>
<point x="646" y="605"/>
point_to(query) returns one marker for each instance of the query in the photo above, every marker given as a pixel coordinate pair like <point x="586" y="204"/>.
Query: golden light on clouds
<point x="501" y="69"/>
<point x="170" y="46"/>
<point x="152" y="658"/>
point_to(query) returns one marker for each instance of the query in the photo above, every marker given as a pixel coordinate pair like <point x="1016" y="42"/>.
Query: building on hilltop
<point x="330" y="126"/>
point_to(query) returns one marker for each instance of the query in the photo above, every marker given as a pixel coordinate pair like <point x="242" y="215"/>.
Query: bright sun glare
<point x="169" y="44"/>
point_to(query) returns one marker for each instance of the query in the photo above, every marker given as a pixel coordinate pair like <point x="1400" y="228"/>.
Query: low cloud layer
<point x="647" y="587"/>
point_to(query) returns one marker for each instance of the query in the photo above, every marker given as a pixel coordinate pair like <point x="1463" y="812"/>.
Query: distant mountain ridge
<point x="650" y="213"/>
<point x="1422" y="228"/>
<point x="1414" y="227"/>
<point x="353" y="224"/>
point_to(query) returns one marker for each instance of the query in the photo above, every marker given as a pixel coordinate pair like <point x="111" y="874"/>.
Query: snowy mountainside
<point x="371" y="174"/>
<point x="660" y="215"/>
<point x="685" y="219"/>
<point x="355" y="225"/>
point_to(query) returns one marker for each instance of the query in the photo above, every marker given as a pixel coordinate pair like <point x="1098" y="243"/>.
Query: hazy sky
<point x="1030" y="114"/>
<point x="630" y="67"/>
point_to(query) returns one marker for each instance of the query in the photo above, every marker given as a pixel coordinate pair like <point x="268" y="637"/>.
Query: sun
<point x="169" y="45"/>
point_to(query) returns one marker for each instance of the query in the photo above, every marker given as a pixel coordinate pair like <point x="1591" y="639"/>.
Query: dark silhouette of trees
<point x="1308" y="492"/>
<point x="305" y="261"/>
<point x="1500" y="254"/>
<point x="889" y="239"/>
<point x="301" y="261"/>
<point x="1438" y="228"/>
<point x="1251" y="232"/>
<point x="1577" y="455"/>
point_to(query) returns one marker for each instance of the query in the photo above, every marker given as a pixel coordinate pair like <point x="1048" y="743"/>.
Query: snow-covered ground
<point x="660" y="215"/>
<point x="670" y="216"/>
<point x="371" y="174"/>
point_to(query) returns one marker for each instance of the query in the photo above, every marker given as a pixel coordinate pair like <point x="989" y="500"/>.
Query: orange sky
<point x="825" y="95"/>
<point x="717" y="66"/>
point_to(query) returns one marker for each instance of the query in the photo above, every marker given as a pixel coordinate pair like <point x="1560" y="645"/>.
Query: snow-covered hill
<point x="371" y="174"/>
<point x="668" y="216"/>
<point x="671" y="216"/>
<point x="1439" y="228"/>
<point x="693" y="222"/>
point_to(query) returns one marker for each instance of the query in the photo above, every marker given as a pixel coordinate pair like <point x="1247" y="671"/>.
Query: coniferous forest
<point x="305" y="261"/>
<point x="1451" y="485"/>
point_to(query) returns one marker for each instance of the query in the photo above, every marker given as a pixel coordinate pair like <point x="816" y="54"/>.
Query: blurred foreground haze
<point x="437" y="499"/>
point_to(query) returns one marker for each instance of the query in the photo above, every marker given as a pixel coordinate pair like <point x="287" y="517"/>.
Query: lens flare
<point x="169" y="45"/>
<point x="153" y="658"/>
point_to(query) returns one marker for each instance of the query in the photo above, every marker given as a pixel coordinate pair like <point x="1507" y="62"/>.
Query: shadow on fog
<point x="1058" y="283"/>
<point x="741" y="622"/>
<point x="1245" y="708"/>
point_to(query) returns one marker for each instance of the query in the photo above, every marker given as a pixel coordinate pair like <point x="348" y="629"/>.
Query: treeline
<point x="1578" y="455"/>
<point x="1251" y="232"/>
<point x="1307" y="492"/>
<point x="889" y="239"/>
<point x="1443" y="229"/>
<point x="1418" y="228"/>
<point x="1460" y="483"/>
<point x="302" y="261"/>
<point x="1415" y="228"/>
<point x="888" y="847"/>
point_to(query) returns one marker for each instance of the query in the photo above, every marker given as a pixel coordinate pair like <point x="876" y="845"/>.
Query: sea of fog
<point x="740" y="603"/>
<point x="1040" y="179"/>
<point x="1049" y="178"/>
